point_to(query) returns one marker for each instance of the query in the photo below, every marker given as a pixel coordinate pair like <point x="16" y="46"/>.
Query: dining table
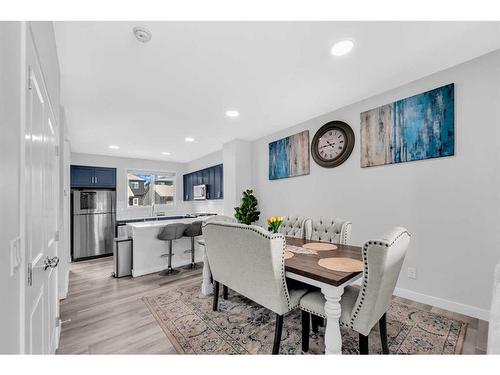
<point x="303" y="266"/>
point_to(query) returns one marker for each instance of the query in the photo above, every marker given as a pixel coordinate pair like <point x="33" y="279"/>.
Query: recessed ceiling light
<point x="342" y="48"/>
<point x="232" y="113"/>
<point x="189" y="139"/>
<point x="113" y="147"/>
<point x="165" y="153"/>
<point x="142" y="34"/>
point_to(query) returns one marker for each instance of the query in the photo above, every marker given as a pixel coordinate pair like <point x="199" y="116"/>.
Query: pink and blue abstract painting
<point x="289" y="157"/>
<point x="416" y="128"/>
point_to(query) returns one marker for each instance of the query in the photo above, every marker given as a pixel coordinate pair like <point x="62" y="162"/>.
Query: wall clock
<point x="332" y="144"/>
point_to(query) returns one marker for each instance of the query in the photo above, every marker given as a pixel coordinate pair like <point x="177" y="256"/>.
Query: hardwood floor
<point x="104" y="315"/>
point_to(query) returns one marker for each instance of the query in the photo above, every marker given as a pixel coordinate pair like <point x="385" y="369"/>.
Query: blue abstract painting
<point x="416" y="128"/>
<point x="289" y="157"/>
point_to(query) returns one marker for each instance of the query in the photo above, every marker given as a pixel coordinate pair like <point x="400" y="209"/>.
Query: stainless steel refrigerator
<point x="93" y="223"/>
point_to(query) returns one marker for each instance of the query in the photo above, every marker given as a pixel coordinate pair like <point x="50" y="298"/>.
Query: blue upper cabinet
<point x="185" y="187"/>
<point x="219" y="182"/>
<point x="92" y="177"/>
<point x="105" y="177"/>
<point x="82" y="176"/>
<point x="212" y="177"/>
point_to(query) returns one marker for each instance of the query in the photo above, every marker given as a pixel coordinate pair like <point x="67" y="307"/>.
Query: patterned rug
<point x="243" y="327"/>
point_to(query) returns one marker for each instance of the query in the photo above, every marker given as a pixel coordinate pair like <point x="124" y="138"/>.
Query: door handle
<point x="50" y="262"/>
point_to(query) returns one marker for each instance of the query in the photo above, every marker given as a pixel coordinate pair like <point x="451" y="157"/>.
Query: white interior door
<point x="41" y="216"/>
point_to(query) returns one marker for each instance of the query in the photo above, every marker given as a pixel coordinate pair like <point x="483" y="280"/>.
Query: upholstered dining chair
<point x="362" y="308"/>
<point x="295" y="226"/>
<point x="332" y="230"/>
<point x="201" y="241"/>
<point x="250" y="260"/>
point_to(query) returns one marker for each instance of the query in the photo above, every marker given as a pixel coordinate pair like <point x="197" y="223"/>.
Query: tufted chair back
<point x="331" y="230"/>
<point x="382" y="260"/>
<point x="249" y="260"/>
<point x="295" y="226"/>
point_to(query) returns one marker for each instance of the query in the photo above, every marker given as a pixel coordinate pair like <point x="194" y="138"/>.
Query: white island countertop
<point x="162" y="223"/>
<point x="148" y="249"/>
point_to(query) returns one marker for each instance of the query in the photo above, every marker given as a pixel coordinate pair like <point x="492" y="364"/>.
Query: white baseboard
<point x="63" y="293"/>
<point x="456" y="307"/>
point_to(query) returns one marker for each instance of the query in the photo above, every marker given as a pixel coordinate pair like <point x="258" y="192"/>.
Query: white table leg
<point x="333" y="338"/>
<point x="206" y="285"/>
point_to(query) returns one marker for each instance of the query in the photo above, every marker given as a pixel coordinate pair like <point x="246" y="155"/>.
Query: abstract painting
<point x="416" y="128"/>
<point x="289" y="157"/>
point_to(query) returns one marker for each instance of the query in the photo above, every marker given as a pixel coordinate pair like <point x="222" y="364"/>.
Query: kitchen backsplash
<point x="181" y="208"/>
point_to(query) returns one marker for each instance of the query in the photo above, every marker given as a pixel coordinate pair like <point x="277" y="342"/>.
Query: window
<point x="146" y="188"/>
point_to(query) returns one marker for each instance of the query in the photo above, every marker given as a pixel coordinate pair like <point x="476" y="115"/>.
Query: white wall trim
<point x="63" y="293"/>
<point x="22" y="190"/>
<point x="445" y="304"/>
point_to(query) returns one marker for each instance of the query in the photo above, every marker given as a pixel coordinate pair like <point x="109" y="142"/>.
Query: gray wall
<point x="10" y="120"/>
<point x="450" y="205"/>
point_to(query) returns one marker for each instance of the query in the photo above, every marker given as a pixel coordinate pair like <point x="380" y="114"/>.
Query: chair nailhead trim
<point x="365" y="275"/>
<point x="269" y="237"/>
<point x="313" y="312"/>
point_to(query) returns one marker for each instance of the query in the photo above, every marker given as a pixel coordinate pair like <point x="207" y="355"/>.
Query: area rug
<point x="243" y="327"/>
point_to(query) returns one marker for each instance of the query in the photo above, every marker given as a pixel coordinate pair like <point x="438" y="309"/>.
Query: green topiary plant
<point x="247" y="212"/>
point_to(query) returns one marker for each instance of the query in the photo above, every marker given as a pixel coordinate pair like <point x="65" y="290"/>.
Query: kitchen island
<point x="148" y="249"/>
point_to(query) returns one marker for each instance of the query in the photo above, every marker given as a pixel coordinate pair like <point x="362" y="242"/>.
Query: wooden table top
<point x="307" y="264"/>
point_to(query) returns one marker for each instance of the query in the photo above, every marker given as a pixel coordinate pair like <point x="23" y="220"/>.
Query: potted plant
<point x="274" y="223"/>
<point x="247" y="212"/>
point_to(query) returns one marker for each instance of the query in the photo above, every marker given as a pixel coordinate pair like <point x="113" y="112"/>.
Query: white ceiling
<point x="147" y="98"/>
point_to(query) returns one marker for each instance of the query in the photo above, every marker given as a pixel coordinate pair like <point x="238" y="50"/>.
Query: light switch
<point x="15" y="255"/>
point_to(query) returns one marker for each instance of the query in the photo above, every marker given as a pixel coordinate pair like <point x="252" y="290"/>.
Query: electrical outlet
<point x="412" y="273"/>
<point x="15" y="255"/>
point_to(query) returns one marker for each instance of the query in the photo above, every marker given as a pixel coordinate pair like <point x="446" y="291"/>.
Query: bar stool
<point x="192" y="230"/>
<point x="169" y="233"/>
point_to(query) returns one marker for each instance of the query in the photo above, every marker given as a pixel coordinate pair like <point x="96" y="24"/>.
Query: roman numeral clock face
<point x="332" y="144"/>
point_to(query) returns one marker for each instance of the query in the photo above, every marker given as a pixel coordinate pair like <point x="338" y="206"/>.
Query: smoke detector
<point x="142" y="34"/>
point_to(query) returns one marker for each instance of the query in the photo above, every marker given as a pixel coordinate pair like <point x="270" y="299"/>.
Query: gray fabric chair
<point x="207" y="273"/>
<point x="295" y="226"/>
<point x="192" y="230"/>
<point x="362" y="308"/>
<point x="169" y="233"/>
<point x="250" y="260"/>
<point x="222" y="218"/>
<point x="332" y="230"/>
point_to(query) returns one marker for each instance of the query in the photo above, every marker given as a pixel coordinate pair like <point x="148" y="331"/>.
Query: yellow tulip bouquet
<point x="274" y="223"/>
